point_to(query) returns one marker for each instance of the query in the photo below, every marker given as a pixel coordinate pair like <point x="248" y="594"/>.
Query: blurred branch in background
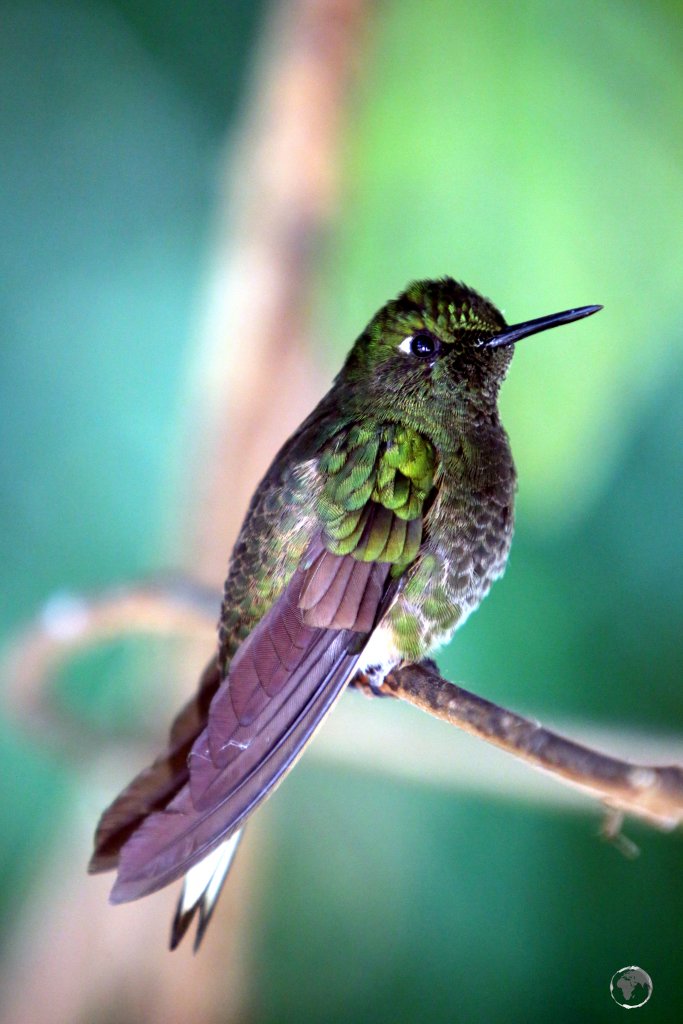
<point x="255" y="378"/>
<point x="652" y="793"/>
<point x="252" y="379"/>
<point x="68" y="624"/>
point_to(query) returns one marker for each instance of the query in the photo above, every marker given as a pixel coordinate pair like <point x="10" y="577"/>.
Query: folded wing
<point x="283" y="680"/>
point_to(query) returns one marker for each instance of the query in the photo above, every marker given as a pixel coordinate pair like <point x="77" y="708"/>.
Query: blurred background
<point x="201" y="205"/>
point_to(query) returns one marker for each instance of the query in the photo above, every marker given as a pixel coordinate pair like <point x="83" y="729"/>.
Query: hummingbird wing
<point x="284" y="679"/>
<point x="289" y="671"/>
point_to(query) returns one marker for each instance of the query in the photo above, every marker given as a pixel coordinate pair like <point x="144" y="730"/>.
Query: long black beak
<point x="512" y="334"/>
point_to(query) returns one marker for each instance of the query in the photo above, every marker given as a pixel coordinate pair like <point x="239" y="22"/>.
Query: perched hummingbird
<point x="379" y="527"/>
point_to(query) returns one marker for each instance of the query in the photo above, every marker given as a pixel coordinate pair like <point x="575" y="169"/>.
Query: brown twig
<point x="652" y="793"/>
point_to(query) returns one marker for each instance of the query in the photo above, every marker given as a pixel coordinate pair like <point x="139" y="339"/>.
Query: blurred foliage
<point x="533" y="151"/>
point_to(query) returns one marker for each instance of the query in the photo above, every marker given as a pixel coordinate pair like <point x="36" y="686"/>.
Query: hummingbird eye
<point x="422" y="345"/>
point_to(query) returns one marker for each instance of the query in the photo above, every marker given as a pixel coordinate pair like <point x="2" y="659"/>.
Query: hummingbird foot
<point x="370" y="685"/>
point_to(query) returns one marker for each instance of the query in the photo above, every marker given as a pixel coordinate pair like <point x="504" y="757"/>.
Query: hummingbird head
<point x="440" y="341"/>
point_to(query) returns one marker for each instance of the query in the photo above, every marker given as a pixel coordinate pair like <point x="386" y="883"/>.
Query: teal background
<point x="534" y="152"/>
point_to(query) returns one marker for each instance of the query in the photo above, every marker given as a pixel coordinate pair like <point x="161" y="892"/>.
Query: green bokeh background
<point x="533" y="150"/>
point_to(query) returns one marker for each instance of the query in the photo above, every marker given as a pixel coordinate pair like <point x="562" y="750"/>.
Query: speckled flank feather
<point x="379" y="527"/>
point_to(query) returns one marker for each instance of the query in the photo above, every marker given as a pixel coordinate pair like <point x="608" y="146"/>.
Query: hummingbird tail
<point x="201" y="888"/>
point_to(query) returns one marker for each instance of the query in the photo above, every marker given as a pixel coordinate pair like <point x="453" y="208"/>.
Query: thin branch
<point x="652" y="793"/>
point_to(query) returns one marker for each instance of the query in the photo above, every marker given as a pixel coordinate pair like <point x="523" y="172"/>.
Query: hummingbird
<point x="379" y="527"/>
